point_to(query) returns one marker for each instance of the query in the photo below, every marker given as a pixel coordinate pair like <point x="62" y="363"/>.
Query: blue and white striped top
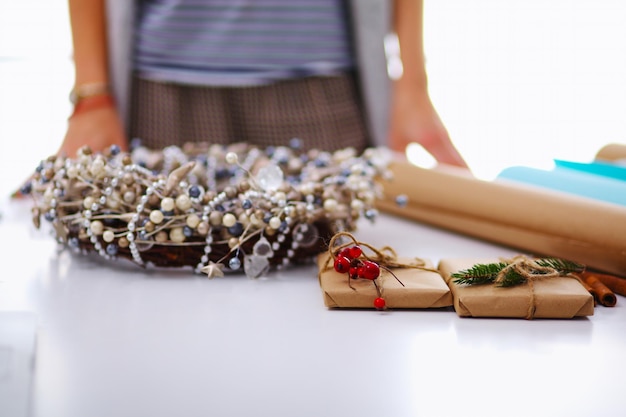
<point x="241" y="42"/>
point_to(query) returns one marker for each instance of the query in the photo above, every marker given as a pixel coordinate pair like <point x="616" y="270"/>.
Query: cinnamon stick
<point x="604" y="295"/>
<point x="614" y="283"/>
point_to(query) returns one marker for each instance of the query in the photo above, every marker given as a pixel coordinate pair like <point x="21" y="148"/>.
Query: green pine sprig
<point x="481" y="274"/>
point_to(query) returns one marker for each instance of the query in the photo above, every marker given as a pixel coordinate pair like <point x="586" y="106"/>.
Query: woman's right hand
<point x="97" y="128"/>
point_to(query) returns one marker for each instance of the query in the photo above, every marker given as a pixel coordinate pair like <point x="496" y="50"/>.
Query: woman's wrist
<point x="94" y="102"/>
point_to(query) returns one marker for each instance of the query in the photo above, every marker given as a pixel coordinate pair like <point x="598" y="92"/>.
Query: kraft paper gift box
<point x="561" y="297"/>
<point x="535" y="220"/>
<point x="422" y="288"/>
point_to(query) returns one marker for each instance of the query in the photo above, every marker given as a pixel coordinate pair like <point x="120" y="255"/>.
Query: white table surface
<point x="115" y="340"/>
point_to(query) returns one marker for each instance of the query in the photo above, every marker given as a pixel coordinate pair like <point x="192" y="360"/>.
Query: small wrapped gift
<point x="541" y="294"/>
<point x="418" y="285"/>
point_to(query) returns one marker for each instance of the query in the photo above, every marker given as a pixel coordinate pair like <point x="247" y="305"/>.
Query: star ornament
<point x="213" y="270"/>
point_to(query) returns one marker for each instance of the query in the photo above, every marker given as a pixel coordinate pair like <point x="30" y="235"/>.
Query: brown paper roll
<point x="539" y="221"/>
<point x="612" y="152"/>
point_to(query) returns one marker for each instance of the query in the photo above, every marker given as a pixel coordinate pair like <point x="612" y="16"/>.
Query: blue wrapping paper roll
<point x="572" y="181"/>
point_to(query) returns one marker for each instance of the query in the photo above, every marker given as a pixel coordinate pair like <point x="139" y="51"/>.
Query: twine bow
<point x="531" y="271"/>
<point x="386" y="257"/>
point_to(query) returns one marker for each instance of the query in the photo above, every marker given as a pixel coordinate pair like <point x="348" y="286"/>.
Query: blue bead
<point x="402" y="200"/>
<point x="111" y="249"/>
<point x="194" y="191"/>
<point x="295" y="143"/>
<point x="135" y="143"/>
<point x="246" y="204"/>
<point x="114" y="149"/>
<point x="236" y="230"/>
<point x="187" y="231"/>
<point x="234" y="263"/>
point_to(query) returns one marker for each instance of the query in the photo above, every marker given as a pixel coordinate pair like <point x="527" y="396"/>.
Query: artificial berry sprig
<point x="352" y="261"/>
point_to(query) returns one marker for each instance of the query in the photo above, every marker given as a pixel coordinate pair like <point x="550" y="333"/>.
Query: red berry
<point x="371" y="270"/>
<point x="355" y="252"/>
<point x="345" y="252"/>
<point x="342" y="264"/>
<point x="379" y="303"/>
<point x="354" y="272"/>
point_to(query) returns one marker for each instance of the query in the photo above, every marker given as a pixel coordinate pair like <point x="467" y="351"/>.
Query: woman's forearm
<point x="408" y="25"/>
<point x="87" y="19"/>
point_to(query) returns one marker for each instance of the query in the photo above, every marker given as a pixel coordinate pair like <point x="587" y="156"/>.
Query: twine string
<point x="386" y="257"/>
<point x="531" y="271"/>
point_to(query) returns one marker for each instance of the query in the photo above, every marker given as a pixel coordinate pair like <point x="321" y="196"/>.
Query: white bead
<point x="357" y="205"/>
<point x="330" y="205"/>
<point x="177" y="235"/>
<point x="183" y="202"/>
<point x="129" y="197"/>
<point x="244" y="219"/>
<point x="108" y="236"/>
<point x="275" y="222"/>
<point x="193" y="220"/>
<point x="88" y="202"/>
<point x="97" y="167"/>
<point x="167" y="204"/>
<point x="229" y="220"/>
<point x="72" y="172"/>
<point x="232" y="158"/>
<point x="96" y="227"/>
<point x="156" y="216"/>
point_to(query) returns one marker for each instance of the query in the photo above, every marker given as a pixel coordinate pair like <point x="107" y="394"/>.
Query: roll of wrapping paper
<point x="538" y="221"/>
<point x="601" y="292"/>
<point x="612" y="152"/>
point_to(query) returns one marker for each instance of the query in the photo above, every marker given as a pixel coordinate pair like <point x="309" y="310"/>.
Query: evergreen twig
<point x="481" y="274"/>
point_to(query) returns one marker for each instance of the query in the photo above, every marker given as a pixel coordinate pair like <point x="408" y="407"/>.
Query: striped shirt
<point x="241" y="42"/>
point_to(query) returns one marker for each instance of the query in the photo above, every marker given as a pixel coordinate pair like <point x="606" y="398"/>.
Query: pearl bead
<point x="215" y="218"/>
<point x="275" y="223"/>
<point x="156" y="216"/>
<point x="72" y="172"/>
<point x="233" y="242"/>
<point x="177" y="235"/>
<point x="203" y="228"/>
<point x="232" y="158"/>
<point x="330" y="205"/>
<point x="129" y="197"/>
<point x="229" y="220"/>
<point x="160" y="237"/>
<point x="183" y="202"/>
<point x="96" y="227"/>
<point x="108" y="236"/>
<point x="356" y="205"/>
<point x="88" y="202"/>
<point x="167" y="204"/>
<point x="193" y="220"/>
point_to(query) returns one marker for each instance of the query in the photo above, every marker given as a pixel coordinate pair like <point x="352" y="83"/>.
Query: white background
<point x="516" y="83"/>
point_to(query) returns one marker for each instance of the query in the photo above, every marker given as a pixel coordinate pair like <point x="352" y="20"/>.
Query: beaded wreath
<point x="208" y="207"/>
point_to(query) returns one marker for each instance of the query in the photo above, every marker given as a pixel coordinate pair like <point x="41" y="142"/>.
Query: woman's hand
<point x="97" y="128"/>
<point x="414" y="119"/>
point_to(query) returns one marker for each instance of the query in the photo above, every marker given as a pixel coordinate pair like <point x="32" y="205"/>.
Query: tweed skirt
<point x="323" y="112"/>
